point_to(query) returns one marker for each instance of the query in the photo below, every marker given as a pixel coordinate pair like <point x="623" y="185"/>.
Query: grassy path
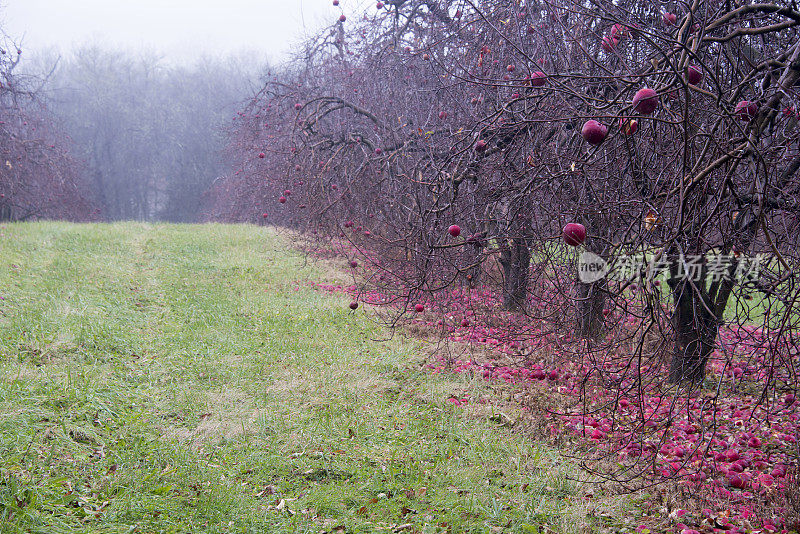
<point x="161" y="378"/>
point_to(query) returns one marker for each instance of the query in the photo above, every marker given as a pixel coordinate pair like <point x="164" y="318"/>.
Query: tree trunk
<point x="516" y="262"/>
<point x="473" y="261"/>
<point x="6" y="212"/>
<point x="695" y="333"/>
<point x="590" y="303"/>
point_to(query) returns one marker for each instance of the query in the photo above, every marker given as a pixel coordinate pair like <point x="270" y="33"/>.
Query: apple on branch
<point x="574" y="234"/>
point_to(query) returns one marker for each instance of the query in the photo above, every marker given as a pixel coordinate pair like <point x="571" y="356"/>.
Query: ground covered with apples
<point x="717" y="458"/>
<point x="166" y="378"/>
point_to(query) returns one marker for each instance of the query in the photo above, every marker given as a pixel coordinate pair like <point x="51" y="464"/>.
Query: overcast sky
<point x="177" y="28"/>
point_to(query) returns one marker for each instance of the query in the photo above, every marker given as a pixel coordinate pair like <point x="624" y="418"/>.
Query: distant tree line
<point x="38" y="176"/>
<point x="149" y="133"/>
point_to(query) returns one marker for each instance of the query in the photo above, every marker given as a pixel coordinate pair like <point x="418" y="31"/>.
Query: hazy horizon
<point x="177" y="29"/>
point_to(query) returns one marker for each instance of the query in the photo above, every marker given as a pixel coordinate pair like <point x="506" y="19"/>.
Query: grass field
<point x="163" y="378"/>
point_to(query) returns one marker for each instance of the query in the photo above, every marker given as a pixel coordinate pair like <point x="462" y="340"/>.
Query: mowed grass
<point x="164" y="378"/>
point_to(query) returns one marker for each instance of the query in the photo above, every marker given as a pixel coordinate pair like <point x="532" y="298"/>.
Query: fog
<point x="179" y="29"/>
<point x="137" y="97"/>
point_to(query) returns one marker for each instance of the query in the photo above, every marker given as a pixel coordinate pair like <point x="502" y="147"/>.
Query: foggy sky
<point x="177" y="28"/>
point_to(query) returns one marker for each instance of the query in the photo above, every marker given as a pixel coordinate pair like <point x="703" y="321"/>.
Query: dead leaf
<point x="405" y="510"/>
<point x="501" y="419"/>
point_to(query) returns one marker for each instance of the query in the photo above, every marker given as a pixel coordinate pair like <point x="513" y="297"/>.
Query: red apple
<point x="693" y="74"/>
<point x="264" y="215"/>
<point x="538" y="79"/>
<point x="593" y="132"/>
<point x="378" y="151"/>
<point x="574" y="234"/>
<point x="454" y="230"/>
<point x="609" y="43"/>
<point x="282" y="200"/>
<point x="298" y="106"/>
<point x="738" y="481"/>
<point x="645" y="101"/>
<point x="628" y="126"/>
<point x="465" y="322"/>
<point x="419" y="308"/>
<point x="353" y="264"/>
<point x="342" y="18"/>
<point x="336" y="2"/>
<point x="442" y="115"/>
<point x="261" y="155"/>
<point x="511" y="68"/>
<point x="746" y="110"/>
<point x="353" y="305"/>
<point x="618" y="31"/>
<point x="379" y="5"/>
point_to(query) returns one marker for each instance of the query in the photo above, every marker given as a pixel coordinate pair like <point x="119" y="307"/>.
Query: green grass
<point x="162" y="378"/>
